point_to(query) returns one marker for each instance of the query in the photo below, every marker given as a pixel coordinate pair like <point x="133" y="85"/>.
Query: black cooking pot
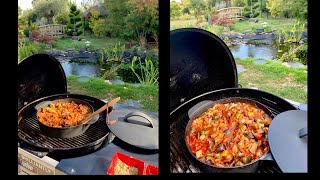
<point x="202" y="107"/>
<point x="65" y="132"/>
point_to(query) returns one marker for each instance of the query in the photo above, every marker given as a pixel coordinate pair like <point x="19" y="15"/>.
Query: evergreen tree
<point x="74" y="23"/>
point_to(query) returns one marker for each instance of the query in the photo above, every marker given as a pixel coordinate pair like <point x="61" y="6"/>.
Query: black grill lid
<point x="38" y="76"/>
<point x="199" y="62"/>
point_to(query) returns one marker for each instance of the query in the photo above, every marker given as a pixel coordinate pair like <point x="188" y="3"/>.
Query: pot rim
<point x="233" y="167"/>
<point x="71" y="127"/>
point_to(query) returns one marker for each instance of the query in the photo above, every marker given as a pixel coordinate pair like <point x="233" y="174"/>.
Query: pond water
<point x="264" y="51"/>
<point x="254" y="51"/>
<point x="269" y="51"/>
<point x="81" y="69"/>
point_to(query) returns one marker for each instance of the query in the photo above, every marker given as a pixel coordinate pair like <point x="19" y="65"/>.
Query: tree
<point x="238" y="3"/>
<point x="288" y="8"/>
<point x="19" y="11"/>
<point x="49" y="8"/>
<point x="86" y="4"/>
<point x="117" y="12"/>
<point x="197" y="6"/>
<point x="132" y="19"/>
<point x="143" y="19"/>
<point x="74" y="24"/>
<point x="175" y="10"/>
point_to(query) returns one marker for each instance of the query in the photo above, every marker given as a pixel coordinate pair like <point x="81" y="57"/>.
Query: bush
<point x="26" y="49"/>
<point x="186" y="17"/>
<point x="126" y="73"/>
<point x="222" y="21"/>
<point x="115" y="53"/>
<point x="296" y="54"/>
<point x="112" y="72"/>
<point x="99" y="27"/>
<point x="302" y="54"/>
<point x="61" y="19"/>
<point x="149" y="72"/>
<point x="47" y="39"/>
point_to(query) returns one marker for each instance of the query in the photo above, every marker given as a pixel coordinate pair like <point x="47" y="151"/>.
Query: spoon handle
<point x="108" y="104"/>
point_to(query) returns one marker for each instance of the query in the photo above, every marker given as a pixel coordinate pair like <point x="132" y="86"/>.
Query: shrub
<point x="26" y="49"/>
<point x="149" y="72"/>
<point x="47" y="39"/>
<point x="222" y="21"/>
<point x="112" y="72"/>
<point x="126" y="73"/>
<point x="99" y="27"/>
<point x="114" y="54"/>
<point x="296" y="54"/>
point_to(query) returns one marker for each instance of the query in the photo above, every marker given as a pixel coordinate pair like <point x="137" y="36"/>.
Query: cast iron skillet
<point x="202" y="107"/>
<point x="65" y="132"/>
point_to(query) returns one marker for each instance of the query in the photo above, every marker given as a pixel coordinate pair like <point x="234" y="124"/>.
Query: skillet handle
<point x="143" y="115"/>
<point x="199" y="108"/>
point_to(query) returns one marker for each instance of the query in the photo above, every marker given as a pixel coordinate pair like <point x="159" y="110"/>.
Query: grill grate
<point x="180" y="159"/>
<point x="29" y="131"/>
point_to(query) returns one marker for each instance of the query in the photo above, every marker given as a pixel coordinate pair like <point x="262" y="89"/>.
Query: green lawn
<point x="96" y="43"/>
<point x="275" y="78"/>
<point x="273" y="24"/>
<point x="239" y="26"/>
<point x="96" y="87"/>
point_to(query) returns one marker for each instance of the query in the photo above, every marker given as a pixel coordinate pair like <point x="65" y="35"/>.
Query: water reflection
<point x="254" y="51"/>
<point x="81" y="69"/>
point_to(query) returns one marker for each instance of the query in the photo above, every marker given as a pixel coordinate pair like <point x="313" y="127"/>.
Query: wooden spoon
<point x="108" y="104"/>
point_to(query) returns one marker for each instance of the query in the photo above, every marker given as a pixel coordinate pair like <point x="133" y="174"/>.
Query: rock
<point x="70" y="49"/>
<point x="137" y="84"/>
<point x="82" y="50"/>
<point x="116" y="81"/>
<point x="107" y="82"/>
<point x="83" y="79"/>
<point x="240" y="68"/>
<point x="253" y="20"/>
<point x="259" y="31"/>
<point x="247" y="31"/>
<point x="293" y="64"/>
<point x="76" y="38"/>
<point x="259" y="61"/>
<point x="130" y="102"/>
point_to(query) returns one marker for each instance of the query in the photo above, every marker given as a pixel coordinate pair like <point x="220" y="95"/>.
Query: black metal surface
<point x="199" y="62"/>
<point x="64" y="132"/>
<point x="198" y="110"/>
<point x="39" y="75"/>
<point x="93" y="138"/>
<point x="180" y="159"/>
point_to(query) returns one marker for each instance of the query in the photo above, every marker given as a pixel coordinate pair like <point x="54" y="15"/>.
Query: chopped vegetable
<point x="63" y="114"/>
<point x="230" y="134"/>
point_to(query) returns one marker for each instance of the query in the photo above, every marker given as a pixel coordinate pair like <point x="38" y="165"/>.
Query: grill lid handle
<point x="303" y="132"/>
<point x="143" y="115"/>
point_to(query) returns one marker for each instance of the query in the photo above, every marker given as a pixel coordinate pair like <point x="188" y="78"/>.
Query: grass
<point x="273" y="24"/>
<point x="240" y="26"/>
<point x="275" y="78"/>
<point x="96" y="43"/>
<point x="96" y="87"/>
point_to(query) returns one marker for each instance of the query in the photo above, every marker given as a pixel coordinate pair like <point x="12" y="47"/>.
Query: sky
<point x="26" y="4"/>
